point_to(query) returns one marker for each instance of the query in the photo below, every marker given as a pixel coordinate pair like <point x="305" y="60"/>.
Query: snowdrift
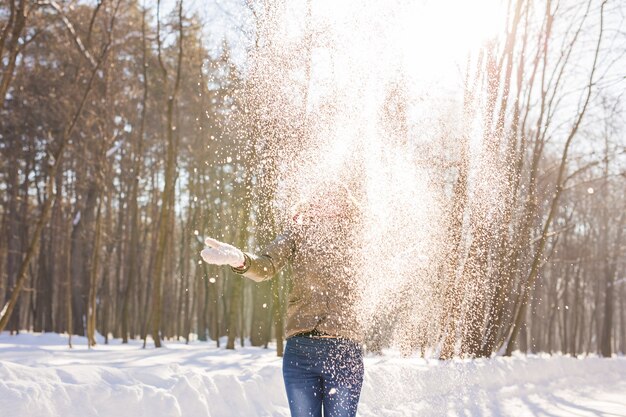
<point x="41" y="377"/>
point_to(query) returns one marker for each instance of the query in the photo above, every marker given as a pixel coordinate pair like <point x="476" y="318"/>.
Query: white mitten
<point x="220" y="253"/>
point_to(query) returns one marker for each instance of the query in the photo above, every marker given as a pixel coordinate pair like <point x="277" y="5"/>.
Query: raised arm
<point x="256" y="267"/>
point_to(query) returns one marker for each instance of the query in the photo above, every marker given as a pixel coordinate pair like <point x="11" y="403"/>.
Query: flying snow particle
<point x="370" y="129"/>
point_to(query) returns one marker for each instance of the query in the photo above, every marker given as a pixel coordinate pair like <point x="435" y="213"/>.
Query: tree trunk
<point x="84" y="218"/>
<point x="15" y="25"/>
<point x="261" y="299"/>
<point x="93" y="279"/>
<point x="237" y="283"/>
<point x="169" y="187"/>
<point x="278" y="315"/>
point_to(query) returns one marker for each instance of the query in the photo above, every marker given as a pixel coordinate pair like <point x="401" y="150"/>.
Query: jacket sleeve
<point x="271" y="260"/>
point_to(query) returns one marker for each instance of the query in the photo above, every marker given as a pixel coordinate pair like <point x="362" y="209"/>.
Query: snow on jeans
<point x="323" y="371"/>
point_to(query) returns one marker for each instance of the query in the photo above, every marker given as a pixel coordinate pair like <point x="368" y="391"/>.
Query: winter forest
<point x="126" y="135"/>
<point x="484" y="141"/>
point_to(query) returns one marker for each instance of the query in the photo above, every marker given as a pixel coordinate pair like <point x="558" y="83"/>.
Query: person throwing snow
<point x="323" y="360"/>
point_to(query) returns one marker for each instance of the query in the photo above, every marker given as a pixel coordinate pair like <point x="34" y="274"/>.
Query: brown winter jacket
<point x="323" y="290"/>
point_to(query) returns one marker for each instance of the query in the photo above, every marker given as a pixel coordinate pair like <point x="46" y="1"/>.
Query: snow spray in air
<point x="369" y="96"/>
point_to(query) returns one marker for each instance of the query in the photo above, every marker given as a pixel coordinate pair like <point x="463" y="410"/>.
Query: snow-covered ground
<point x="40" y="376"/>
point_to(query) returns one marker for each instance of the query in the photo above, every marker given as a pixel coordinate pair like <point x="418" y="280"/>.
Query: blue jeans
<point x="324" y="372"/>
